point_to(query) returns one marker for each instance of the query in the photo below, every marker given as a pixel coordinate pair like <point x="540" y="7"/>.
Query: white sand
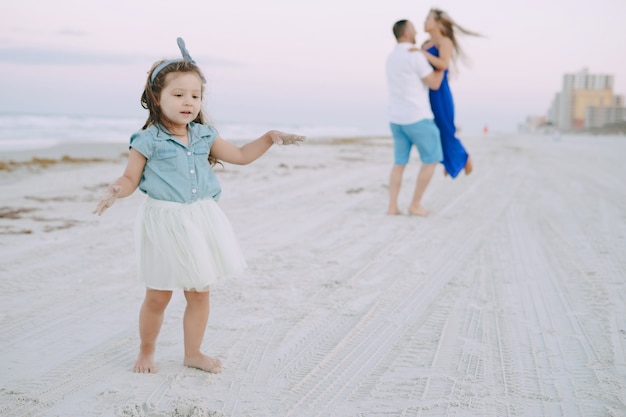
<point x="510" y="300"/>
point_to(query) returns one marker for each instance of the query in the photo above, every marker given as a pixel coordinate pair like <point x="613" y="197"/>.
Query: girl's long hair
<point x="152" y="92"/>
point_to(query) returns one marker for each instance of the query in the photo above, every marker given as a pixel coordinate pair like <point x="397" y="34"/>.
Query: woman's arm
<point x="229" y="152"/>
<point x="434" y="79"/>
<point x="445" y="54"/>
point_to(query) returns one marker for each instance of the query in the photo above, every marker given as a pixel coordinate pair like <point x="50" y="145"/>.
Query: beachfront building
<point x="586" y="101"/>
<point x="534" y="124"/>
<point x="598" y="116"/>
<point x="555" y="109"/>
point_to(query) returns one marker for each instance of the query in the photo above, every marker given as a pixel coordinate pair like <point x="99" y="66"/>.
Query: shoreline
<point x="16" y="162"/>
<point x="95" y="150"/>
<point x="109" y="152"/>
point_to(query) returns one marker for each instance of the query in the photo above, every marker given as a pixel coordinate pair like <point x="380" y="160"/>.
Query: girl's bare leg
<point x="194" y="325"/>
<point x="150" y="321"/>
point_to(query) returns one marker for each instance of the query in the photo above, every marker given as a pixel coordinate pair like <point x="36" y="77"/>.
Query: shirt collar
<point x="405" y="45"/>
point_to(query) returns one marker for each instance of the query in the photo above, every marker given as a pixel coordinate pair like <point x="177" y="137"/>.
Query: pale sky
<point x="298" y="62"/>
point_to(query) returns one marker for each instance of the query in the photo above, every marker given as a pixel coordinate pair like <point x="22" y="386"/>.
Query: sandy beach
<point x="508" y="300"/>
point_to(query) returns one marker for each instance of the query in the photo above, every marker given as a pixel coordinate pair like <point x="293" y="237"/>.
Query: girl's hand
<point x="108" y="199"/>
<point x="415" y="49"/>
<point x="280" y="138"/>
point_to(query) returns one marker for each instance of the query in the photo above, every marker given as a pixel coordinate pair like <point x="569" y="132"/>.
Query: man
<point x="409" y="76"/>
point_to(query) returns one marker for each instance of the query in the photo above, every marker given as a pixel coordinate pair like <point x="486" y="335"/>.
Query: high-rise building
<point x="599" y="116"/>
<point x="585" y="101"/>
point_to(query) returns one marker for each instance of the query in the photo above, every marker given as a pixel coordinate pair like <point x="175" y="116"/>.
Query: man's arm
<point x="434" y="79"/>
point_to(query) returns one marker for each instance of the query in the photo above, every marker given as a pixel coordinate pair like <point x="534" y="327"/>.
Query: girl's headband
<point x="186" y="57"/>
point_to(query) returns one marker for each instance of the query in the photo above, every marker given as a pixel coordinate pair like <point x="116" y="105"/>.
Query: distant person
<point x="409" y="76"/>
<point x="441" y="50"/>
<point x="184" y="240"/>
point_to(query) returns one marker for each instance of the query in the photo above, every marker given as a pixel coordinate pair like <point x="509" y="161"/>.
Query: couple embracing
<point x="421" y="108"/>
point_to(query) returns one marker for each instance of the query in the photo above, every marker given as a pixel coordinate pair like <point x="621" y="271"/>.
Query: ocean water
<point x="28" y="131"/>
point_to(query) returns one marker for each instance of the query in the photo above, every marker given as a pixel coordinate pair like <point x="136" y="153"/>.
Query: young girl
<point x="441" y="50"/>
<point x="184" y="241"/>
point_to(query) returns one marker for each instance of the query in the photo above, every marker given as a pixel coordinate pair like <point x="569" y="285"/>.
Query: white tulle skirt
<point x="185" y="246"/>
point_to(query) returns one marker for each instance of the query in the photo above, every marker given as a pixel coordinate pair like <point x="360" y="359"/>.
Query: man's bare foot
<point x="445" y="172"/>
<point x="204" y="363"/>
<point x="468" y="166"/>
<point x="145" y="364"/>
<point x="419" y="211"/>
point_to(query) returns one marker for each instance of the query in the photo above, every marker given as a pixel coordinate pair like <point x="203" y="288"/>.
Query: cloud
<point x="72" y="33"/>
<point x="50" y="56"/>
<point x="36" y="56"/>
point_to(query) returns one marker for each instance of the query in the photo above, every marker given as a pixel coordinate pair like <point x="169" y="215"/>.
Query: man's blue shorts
<point x="424" y="135"/>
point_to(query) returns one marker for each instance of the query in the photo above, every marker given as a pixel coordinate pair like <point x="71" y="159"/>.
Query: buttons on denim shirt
<point x="175" y="172"/>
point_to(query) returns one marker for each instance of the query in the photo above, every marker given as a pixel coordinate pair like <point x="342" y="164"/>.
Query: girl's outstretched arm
<point x="242" y="155"/>
<point x="124" y="185"/>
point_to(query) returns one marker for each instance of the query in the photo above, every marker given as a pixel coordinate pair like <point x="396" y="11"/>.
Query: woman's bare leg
<point x="469" y="166"/>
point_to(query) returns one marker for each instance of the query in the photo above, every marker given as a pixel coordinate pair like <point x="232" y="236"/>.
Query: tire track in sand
<point x="344" y="364"/>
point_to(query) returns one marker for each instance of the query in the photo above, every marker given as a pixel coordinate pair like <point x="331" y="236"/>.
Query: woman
<point x="441" y="50"/>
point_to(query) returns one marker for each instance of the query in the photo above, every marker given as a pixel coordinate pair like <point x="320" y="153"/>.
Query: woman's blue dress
<point x="441" y="102"/>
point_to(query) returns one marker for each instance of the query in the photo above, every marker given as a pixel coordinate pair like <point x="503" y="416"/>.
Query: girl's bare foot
<point x="445" y="172"/>
<point x="204" y="363"/>
<point x="419" y="211"/>
<point x="468" y="166"/>
<point x="395" y="212"/>
<point x="145" y="364"/>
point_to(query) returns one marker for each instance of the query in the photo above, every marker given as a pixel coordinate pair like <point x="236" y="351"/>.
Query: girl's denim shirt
<point x="173" y="171"/>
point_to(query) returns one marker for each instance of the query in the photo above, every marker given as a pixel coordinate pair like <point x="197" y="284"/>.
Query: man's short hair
<point x="399" y="27"/>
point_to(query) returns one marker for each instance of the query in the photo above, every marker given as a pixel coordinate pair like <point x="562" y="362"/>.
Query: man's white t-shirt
<point x="408" y="95"/>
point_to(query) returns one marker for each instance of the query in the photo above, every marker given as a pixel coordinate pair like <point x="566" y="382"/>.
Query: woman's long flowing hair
<point x="450" y="29"/>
